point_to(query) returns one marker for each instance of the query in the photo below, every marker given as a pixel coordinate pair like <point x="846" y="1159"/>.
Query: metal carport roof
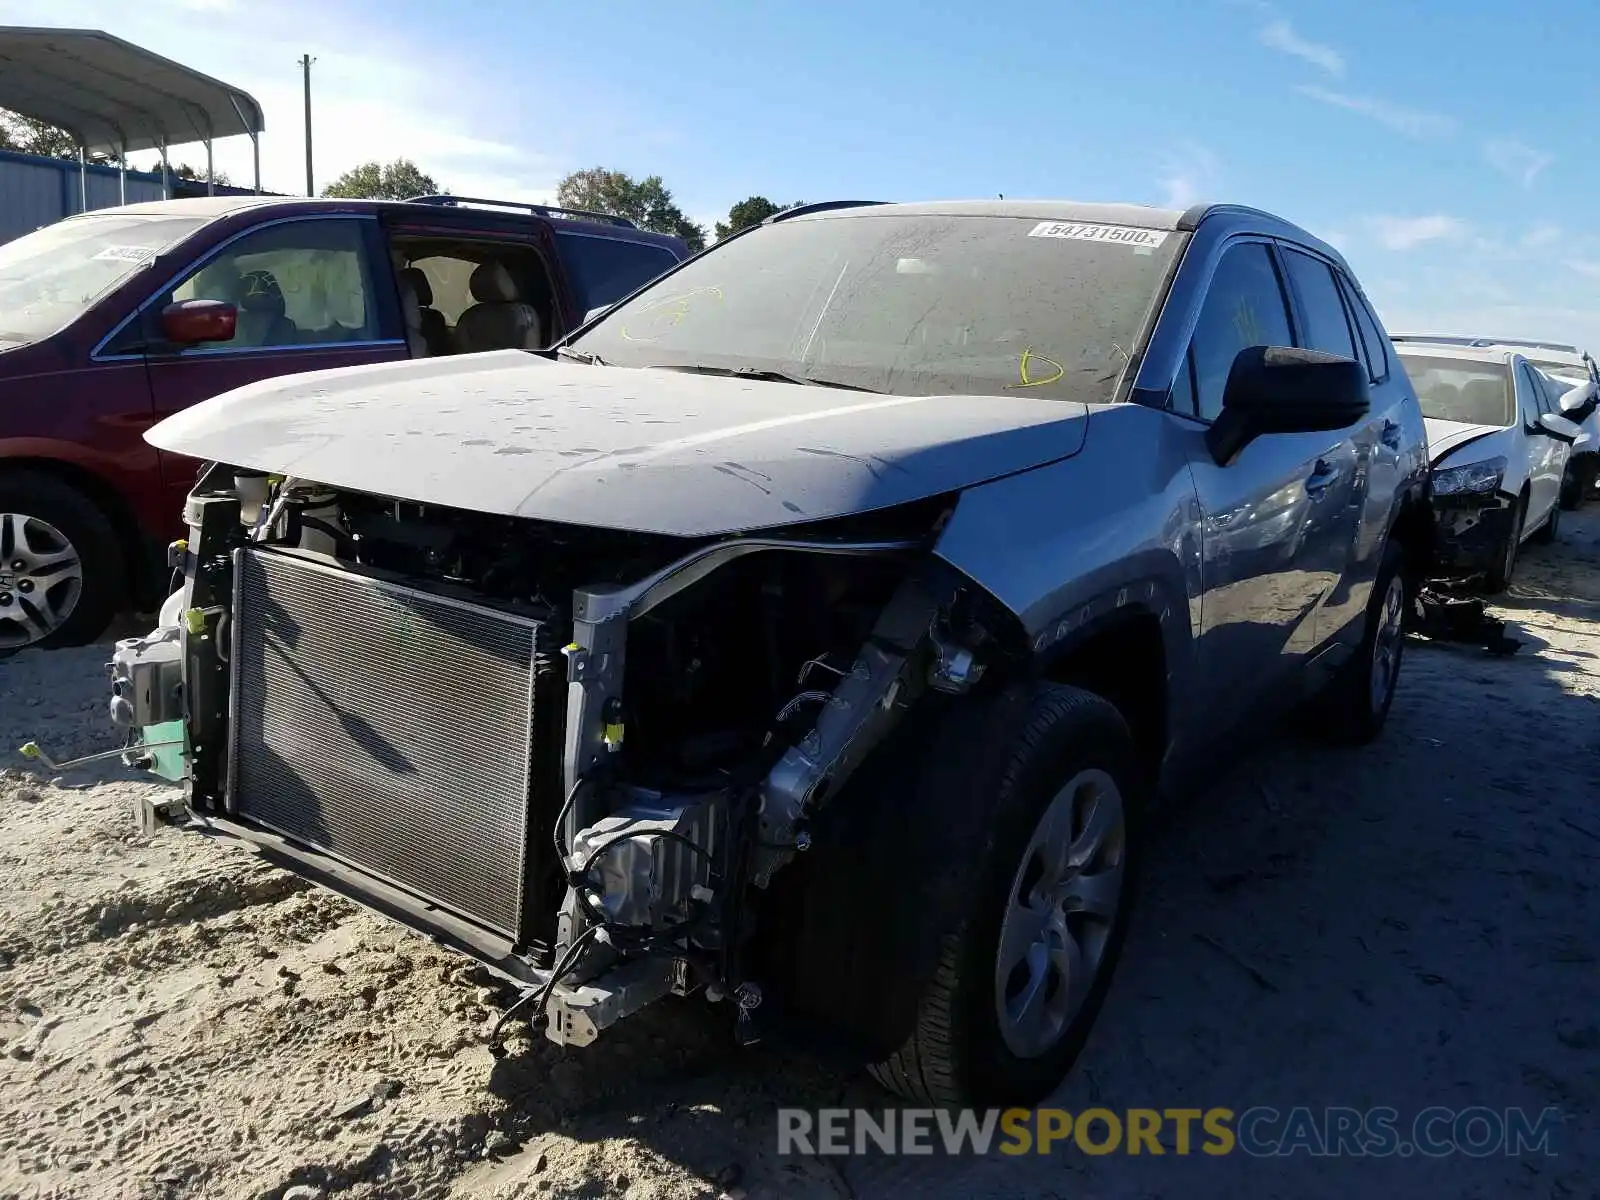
<point x="116" y="98"/>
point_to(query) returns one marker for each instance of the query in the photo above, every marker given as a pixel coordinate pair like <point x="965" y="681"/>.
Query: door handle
<point x="1320" y="478"/>
<point x="1390" y="436"/>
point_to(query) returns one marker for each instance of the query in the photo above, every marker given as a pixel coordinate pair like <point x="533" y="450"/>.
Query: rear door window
<point x="1374" y="343"/>
<point x="604" y="269"/>
<point x="1322" y="311"/>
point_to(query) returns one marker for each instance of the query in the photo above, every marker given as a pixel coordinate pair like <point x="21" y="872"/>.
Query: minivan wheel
<point x="1021" y="980"/>
<point x="61" y="568"/>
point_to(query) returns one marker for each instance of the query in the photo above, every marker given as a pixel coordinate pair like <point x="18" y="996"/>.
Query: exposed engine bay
<point x="576" y="754"/>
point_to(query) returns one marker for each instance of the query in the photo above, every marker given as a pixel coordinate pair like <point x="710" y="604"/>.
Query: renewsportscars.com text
<point x="1263" y="1132"/>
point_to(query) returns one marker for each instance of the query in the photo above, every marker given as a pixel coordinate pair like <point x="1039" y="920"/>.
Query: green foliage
<point x="645" y="202"/>
<point x="398" y="180"/>
<point x="747" y="213"/>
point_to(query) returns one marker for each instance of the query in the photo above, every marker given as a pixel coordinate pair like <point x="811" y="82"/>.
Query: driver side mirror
<point x="190" y="322"/>
<point x="1577" y="404"/>
<point x="1285" y="389"/>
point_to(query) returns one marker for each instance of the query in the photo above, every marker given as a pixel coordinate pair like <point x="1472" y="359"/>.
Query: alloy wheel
<point x="1064" y="900"/>
<point x="41" y="580"/>
<point x="1388" y="642"/>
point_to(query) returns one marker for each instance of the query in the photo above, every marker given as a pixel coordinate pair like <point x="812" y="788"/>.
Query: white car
<point x="1569" y="367"/>
<point x="1577" y="386"/>
<point x="1498" y="450"/>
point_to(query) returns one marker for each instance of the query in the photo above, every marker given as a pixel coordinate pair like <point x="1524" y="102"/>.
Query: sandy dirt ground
<point x="1410" y="925"/>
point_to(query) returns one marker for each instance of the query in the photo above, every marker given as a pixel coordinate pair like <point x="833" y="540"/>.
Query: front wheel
<point x="1546" y="533"/>
<point x="1498" y="577"/>
<point x="1020" y="981"/>
<point x="61" y="568"/>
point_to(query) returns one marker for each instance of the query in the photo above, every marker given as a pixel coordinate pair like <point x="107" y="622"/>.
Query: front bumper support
<point x="1470" y="532"/>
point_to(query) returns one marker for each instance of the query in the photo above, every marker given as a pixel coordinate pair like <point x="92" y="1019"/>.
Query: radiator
<point x="391" y="728"/>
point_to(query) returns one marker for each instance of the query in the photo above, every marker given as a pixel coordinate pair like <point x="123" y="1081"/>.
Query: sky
<point x="1443" y="148"/>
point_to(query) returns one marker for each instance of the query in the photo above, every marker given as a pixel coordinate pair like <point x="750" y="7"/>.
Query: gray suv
<point x="815" y="630"/>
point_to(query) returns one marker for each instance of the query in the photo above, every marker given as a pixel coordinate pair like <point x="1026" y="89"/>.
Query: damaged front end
<point x="577" y="755"/>
<point x="1472" y="519"/>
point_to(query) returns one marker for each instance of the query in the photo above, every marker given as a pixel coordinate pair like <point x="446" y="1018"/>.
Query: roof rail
<point x="538" y="210"/>
<point x="805" y="210"/>
<point x="1529" y="345"/>
<point x="1438" y="339"/>
<point x="1441" y="339"/>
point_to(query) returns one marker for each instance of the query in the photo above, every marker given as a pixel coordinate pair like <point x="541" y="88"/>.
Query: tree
<point x="185" y="171"/>
<point x="646" y="202"/>
<point x="33" y="136"/>
<point x="747" y="213"/>
<point x="399" y="180"/>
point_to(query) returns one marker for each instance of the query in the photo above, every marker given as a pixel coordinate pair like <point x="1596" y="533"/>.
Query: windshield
<point x="50" y="276"/>
<point x="1450" y="389"/>
<point x="1562" y="371"/>
<point x="908" y="305"/>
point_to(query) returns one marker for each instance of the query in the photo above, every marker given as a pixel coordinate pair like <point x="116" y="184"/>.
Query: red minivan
<point x="114" y="319"/>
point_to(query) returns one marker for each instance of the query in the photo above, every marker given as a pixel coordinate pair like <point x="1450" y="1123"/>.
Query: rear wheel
<point x="1356" y="705"/>
<point x="62" y="570"/>
<point x="1498" y="577"/>
<point x="1020" y="981"/>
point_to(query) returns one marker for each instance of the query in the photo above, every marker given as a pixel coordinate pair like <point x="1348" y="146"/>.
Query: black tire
<point x="1353" y="711"/>
<point x="81" y="523"/>
<point x="1546" y="533"/>
<point x="1498" y="577"/>
<point x="957" y="1053"/>
<point x="1573" y="485"/>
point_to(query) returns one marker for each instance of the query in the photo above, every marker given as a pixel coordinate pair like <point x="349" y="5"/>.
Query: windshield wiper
<point x="594" y="360"/>
<point x="764" y="376"/>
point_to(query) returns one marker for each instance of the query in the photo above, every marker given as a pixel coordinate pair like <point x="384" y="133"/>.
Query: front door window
<point x="299" y="283"/>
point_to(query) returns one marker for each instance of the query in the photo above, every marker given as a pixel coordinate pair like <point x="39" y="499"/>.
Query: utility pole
<point x="305" y="66"/>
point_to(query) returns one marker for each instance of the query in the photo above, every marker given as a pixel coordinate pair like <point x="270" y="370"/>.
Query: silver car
<point x="813" y="631"/>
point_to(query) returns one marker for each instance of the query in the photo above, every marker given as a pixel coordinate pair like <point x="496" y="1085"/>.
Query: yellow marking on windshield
<point x="673" y="308"/>
<point x="1025" y="375"/>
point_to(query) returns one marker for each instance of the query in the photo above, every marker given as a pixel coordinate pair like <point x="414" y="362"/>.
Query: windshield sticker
<point x="132" y="254"/>
<point x="1126" y="235"/>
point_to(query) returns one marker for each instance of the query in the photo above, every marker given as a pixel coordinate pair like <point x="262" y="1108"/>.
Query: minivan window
<point x="295" y="283"/>
<point x="50" y="277"/>
<point x="906" y="305"/>
<point x="603" y="270"/>
<point x="1450" y="389"/>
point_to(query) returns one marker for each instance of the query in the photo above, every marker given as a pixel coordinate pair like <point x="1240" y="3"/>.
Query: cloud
<point x="1409" y="121"/>
<point x="1541" y="236"/>
<point x="1279" y="35"/>
<point x="1404" y="233"/>
<point x="1188" y="175"/>
<point x="1516" y="160"/>
<point x="375" y="94"/>
<point x="1589" y="270"/>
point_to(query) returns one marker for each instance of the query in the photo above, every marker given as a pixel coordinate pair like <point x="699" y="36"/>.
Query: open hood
<point x="1446" y="437"/>
<point x="655" y="451"/>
